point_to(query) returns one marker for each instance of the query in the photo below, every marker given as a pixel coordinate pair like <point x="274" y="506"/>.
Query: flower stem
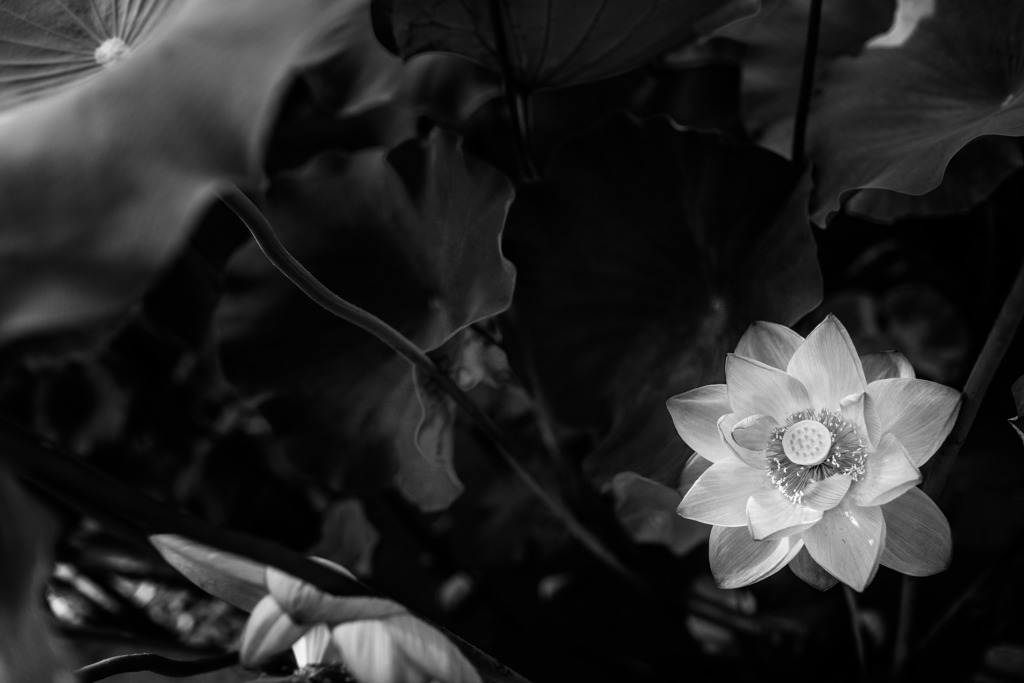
<point x="999" y="338"/>
<point x="803" y="105"/>
<point x="276" y="252"/>
<point x="517" y="101"/>
<point x="164" y="666"/>
<point x="858" y="635"/>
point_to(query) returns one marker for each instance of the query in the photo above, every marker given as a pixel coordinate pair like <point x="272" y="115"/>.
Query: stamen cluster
<point x="846" y="456"/>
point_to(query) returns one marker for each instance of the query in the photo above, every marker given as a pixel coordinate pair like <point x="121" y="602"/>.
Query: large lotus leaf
<point x="102" y="180"/>
<point x="29" y="647"/>
<point x="411" y="235"/>
<point x="774" y="56"/>
<point x="643" y="256"/>
<point x="896" y="119"/>
<point x="552" y="43"/>
<point x="46" y="45"/>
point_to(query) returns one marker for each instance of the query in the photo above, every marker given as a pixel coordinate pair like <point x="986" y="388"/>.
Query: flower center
<point x="807" y="442"/>
<point x="110" y="51"/>
<point x="812" y="446"/>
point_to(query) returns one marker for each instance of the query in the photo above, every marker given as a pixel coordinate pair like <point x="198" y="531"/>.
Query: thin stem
<point x="164" y="666"/>
<point x="516" y="99"/>
<point x="276" y="252"/>
<point x="858" y="633"/>
<point x="803" y="105"/>
<point x="999" y="338"/>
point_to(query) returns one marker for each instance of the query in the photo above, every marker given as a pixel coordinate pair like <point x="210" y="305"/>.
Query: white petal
<point x="886" y="365"/>
<point x="726" y="424"/>
<point x="828" y="365"/>
<point x="919" y="542"/>
<point x="268" y="632"/>
<point x="917" y="412"/>
<point x="307" y="604"/>
<point x="431" y="651"/>
<point x="738" y="560"/>
<point x="695" y="415"/>
<point x="769" y="343"/>
<point x="754" y="431"/>
<point x="847" y="543"/>
<point x="368" y="652"/>
<point x="771" y="515"/>
<point x="759" y="389"/>
<point x="859" y="409"/>
<point x="888" y="475"/>
<point x="720" y="495"/>
<point x="312" y="647"/>
<point x="827" y="493"/>
<point x="234" y="579"/>
<point x="401" y="649"/>
<point x="810" y="572"/>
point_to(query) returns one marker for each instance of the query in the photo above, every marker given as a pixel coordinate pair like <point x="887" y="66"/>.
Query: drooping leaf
<point x="411" y="235"/>
<point x="47" y="45"/>
<point x="103" y="180"/>
<point x="29" y="649"/>
<point x="552" y="43"/>
<point x="774" y="54"/>
<point x="643" y="256"/>
<point x="891" y="125"/>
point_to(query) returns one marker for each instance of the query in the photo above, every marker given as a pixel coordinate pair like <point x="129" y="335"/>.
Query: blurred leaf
<point x="643" y="257"/>
<point x="647" y="510"/>
<point x="895" y="119"/>
<point x="103" y="181"/>
<point x="411" y="235"/>
<point x="348" y="537"/>
<point x="47" y="45"/>
<point x="774" y="56"/>
<point x="29" y="650"/>
<point x="915" y="319"/>
<point x="553" y="44"/>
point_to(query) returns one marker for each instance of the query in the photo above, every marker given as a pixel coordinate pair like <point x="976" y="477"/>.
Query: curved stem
<point x="172" y="668"/>
<point x="276" y="252"/>
<point x="803" y="105"/>
<point x="998" y="342"/>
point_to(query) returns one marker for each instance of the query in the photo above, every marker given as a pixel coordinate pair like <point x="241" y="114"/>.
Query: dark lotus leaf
<point x="363" y="75"/>
<point x="411" y="235"/>
<point x="102" y="181"/>
<point x="643" y="256"/>
<point x="553" y="43"/>
<point x="896" y="118"/>
<point x="774" y="56"/>
<point x="46" y="45"/>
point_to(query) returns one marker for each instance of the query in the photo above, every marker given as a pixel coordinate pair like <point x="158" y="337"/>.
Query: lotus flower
<point x="812" y="453"/>
<point x="377" y="640"/>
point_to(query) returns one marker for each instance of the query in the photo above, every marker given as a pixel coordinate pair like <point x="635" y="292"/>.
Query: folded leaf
<point x="103" y="180"/>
